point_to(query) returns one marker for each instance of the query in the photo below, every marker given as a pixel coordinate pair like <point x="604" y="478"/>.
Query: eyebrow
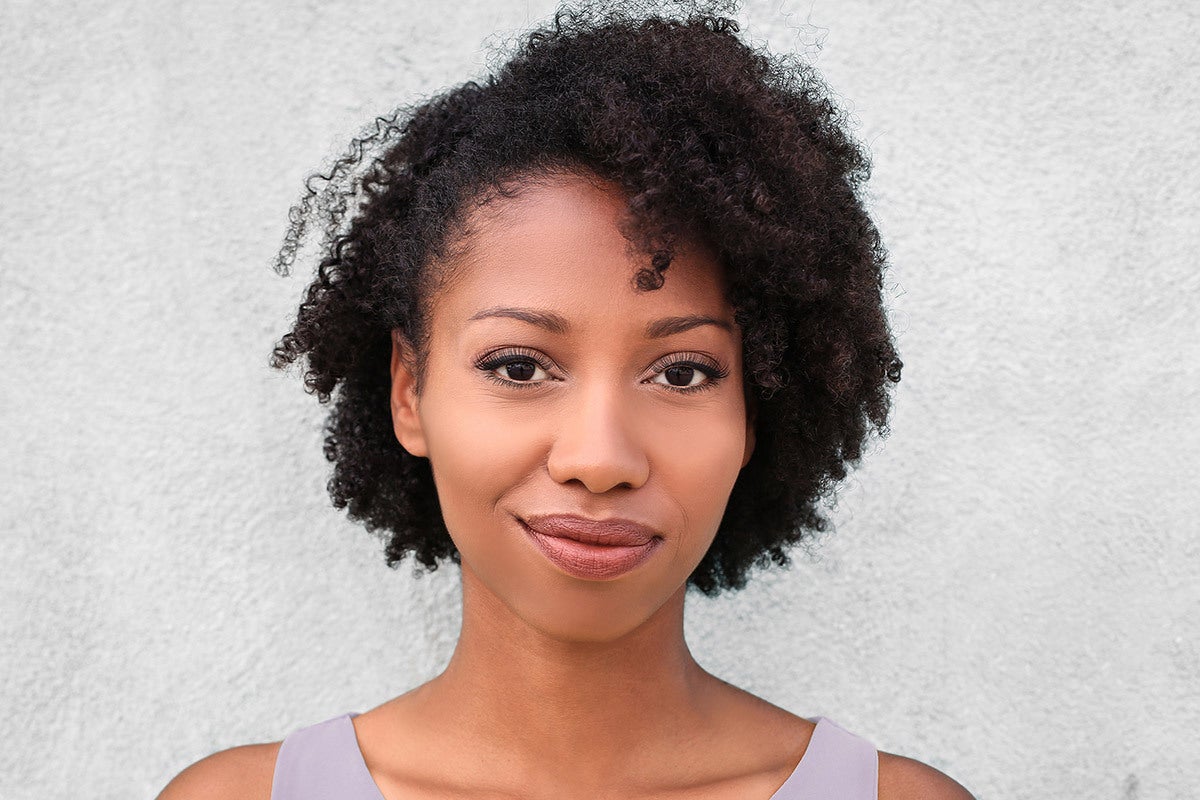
<point x="658" y="329"/>
<point x="669" y="326"/>
<point x="543" y="319"/>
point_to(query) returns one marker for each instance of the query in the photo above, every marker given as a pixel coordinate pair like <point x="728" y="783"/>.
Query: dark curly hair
<point x="703" y="133"/>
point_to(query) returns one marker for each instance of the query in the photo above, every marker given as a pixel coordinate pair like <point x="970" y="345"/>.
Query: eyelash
<point x="712" y="370"/>
<point x="513" y="355"/>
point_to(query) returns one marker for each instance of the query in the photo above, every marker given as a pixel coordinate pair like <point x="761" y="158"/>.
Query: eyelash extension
<point x="714" y="371"/>
<point x="510" y="355"/>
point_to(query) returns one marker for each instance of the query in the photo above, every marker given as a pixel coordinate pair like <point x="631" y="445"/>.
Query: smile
<point x="588" y="561"/>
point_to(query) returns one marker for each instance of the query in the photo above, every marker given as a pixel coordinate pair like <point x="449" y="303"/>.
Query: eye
<point x="681" y="376"/>
<point x="692" y="373"/>
<point x="514" y="367"/>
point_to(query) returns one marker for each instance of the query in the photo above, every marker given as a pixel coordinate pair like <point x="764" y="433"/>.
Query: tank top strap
<point x="836" y="763"/>
<point x="323" y="762"/>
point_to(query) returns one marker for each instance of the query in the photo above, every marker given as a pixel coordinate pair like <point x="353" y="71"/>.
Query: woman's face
<point x="554" y="388"/>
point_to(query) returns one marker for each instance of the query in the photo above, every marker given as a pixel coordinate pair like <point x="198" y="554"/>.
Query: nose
<point x="597" y="443"/>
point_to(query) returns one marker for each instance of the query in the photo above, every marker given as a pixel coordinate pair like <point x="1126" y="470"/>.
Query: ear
<point x="406" y="421"/>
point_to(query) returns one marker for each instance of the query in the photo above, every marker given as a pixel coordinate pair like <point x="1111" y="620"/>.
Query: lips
<point x="592" y="549"/>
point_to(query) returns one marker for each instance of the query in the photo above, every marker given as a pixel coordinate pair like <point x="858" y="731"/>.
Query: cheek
<point x="471" y="448"/>
<point x="482" y="448"/>
<point x="699" y="457"/>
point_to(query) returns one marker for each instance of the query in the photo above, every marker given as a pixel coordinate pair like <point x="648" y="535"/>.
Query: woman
<point x="601" y="328"/>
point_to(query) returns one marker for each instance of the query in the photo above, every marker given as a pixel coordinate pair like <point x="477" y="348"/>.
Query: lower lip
<point x="592" y="562"/>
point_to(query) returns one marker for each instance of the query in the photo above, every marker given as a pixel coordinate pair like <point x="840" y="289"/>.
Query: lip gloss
<point x="591" y="561"/>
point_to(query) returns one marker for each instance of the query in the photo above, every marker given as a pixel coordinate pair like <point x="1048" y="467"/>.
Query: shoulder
<point x="239" y="773"/>
<point x="902" y="778"/>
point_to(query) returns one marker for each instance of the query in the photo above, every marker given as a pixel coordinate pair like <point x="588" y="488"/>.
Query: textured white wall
<point x="1012" y="593"/>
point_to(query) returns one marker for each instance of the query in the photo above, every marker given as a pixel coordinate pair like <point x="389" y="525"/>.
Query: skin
<point x="592" y="677"/>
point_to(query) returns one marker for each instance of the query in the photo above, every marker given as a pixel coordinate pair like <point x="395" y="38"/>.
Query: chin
<point x="568" y="609"/>
<point x="592" y="629"/>
<point x="594" y="613"/>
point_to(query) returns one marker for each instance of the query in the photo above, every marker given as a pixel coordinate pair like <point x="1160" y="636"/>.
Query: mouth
<point x="595" y="550"/>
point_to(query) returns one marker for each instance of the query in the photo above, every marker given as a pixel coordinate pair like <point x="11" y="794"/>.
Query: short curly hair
<point x="702" y="132"/>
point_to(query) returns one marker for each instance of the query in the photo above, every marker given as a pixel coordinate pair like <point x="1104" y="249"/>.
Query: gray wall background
<point x="1011" y="594"/>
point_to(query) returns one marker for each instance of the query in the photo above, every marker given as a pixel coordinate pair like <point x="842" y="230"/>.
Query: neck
<point x="585" y="706"/>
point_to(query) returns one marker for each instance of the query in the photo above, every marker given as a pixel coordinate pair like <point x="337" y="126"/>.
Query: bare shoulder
<point x="239" y="773"/>
<point x="902" y="778"/>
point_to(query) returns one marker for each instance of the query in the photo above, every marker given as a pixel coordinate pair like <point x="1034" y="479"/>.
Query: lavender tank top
<point x="323" y="762"/>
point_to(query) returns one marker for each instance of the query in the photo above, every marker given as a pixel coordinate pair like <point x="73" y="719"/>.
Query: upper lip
<point x="613" y="532"/>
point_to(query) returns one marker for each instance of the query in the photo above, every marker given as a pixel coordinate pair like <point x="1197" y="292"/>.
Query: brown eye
<point x="680" y="375"/>
<point x="688" y="375"/>
<point x="520" y="370"/>
<point x="514" y="367"/>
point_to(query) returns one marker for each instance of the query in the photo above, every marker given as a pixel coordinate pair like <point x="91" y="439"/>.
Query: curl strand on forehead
<point x="703" y="132"/>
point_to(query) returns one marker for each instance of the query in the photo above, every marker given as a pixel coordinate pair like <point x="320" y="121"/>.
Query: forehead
<point x="557" y="245"/>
